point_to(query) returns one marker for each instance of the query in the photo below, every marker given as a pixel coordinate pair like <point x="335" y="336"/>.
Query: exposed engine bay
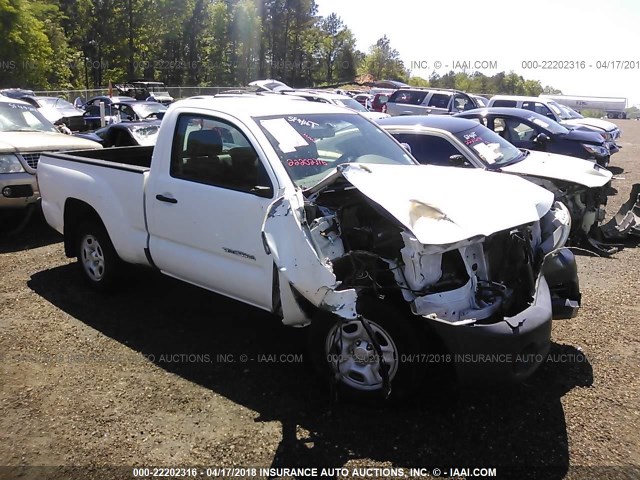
<point x="478" y="280"/>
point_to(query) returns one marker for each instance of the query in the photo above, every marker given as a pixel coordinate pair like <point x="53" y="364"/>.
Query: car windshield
<point x="557" y="109"/>
<point x="570" y="112"/>
<point x="311" y="145"/>
<point x="149" y="110"/>
<point x="55" y="102"/>
<point x="547" y="124"/>
<point x="488" y="146"/>
<point x="18" y="117"/>
<point x="352" y="104"/>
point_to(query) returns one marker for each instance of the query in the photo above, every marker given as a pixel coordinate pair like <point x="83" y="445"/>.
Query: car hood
<point x="591" y="122"/>
<point x="444" y="205"/>
<point x="561" y="167"/>
<point x="584" y="134"/>
<point x="55" y="114"/>
<point x="42" y="142"/>
<point x="374" y="115"/>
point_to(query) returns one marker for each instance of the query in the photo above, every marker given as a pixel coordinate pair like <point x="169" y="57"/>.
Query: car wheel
<point x="343" y="351"/>
<point x="98" y="261"/>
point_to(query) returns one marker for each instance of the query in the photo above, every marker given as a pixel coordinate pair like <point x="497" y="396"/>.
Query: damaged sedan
<point x="580" y="184"/>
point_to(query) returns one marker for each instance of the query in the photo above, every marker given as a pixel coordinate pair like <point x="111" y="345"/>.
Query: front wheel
<point x="344" y="351"/>
<point x="98" y="261"/>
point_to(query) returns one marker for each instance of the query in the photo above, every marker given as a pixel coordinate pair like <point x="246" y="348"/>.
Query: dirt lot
<point x="155" y="376"/>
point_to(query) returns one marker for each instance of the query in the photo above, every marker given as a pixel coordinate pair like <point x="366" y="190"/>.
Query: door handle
<point x="162" y="198"/>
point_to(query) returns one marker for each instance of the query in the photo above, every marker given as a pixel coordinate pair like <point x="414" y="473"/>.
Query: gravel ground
<point x="154" y="376"/>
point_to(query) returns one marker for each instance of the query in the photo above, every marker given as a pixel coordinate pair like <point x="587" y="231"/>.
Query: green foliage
<point x="500" y="83"/>
<point x="418" y="82"/>
<point x="65" y="44"/>
<point x="383" y="62"/>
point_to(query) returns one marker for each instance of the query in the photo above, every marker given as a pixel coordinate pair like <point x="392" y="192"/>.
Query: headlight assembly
<point x="555" y="227"/>
<point x="10" y="164"/>
<point x="597" y="150"/>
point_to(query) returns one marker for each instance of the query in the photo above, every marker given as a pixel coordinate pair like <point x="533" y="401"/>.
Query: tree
<point x="383" y="62"/>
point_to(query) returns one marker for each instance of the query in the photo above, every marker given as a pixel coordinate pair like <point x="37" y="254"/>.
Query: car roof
<point x="114" y="99"/>
<point x="508" y="112"/>
<point x="522" y="98"/>
<point x="247" y="106"/>
<point x="442" y="122"/>
<point x="4" y="99"/>
<point x="319" y="94"/>
<point x="505" y="112"/>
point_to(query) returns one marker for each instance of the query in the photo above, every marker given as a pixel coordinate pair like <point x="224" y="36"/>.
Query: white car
<point x="315" y="214"/>
<point x="337" y="99"/>
<point x="459" y="142"/>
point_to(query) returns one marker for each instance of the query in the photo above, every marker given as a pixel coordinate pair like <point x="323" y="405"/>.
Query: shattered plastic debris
<point x="627" y="220"/>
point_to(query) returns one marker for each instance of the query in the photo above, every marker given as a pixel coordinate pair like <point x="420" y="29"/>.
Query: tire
<point x="98" y="261"/>
<point x="354" y="366"/>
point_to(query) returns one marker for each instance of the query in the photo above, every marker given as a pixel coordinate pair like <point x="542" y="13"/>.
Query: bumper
<point x="561" y="272"/>
<point x="613" y="147"/>
<point x="18" y="190"/>
<point x="504" y="352"/>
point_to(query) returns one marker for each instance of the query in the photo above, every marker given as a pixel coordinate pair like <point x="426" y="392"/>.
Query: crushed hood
<point x="42" y="142"/>
<point x="444" y="205"/>
<point x="561" y="167"/>
<point x="591" y="122"/>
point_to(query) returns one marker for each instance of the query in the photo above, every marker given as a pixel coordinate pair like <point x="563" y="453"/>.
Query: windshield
<point x="352" y="104"/>
<point x="570" y="112"/>
<point x="55" y="102"/>
<point x="151" y="109"/>
<point x="557" y="109"/>
<point x="488" y="146"/>
<point x="547" y="123"/>
<point x="311" y="145"/>
<point x="16" y="117"/>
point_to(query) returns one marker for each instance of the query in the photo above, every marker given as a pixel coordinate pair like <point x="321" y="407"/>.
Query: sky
<point x="533" y="39"/>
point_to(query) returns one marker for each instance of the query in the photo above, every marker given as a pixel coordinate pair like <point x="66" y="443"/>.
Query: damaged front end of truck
<point x="484" y="280"/>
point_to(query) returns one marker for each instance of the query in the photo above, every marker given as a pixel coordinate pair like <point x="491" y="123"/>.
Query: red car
<point x="379" y="102"/>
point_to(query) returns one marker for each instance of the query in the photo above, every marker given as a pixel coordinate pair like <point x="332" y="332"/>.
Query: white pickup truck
<point x="312" y="212"/>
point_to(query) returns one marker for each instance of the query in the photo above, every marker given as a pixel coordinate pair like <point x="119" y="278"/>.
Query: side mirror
<point x="542" y="138"/>
<point x="406" y="146"/>
<point x="458" y="160"/>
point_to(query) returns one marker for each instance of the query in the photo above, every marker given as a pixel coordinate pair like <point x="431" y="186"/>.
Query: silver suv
<point x="424" y="101"/>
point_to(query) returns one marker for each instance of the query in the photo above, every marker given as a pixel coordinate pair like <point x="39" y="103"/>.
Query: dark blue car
<point x="530" y="130"/>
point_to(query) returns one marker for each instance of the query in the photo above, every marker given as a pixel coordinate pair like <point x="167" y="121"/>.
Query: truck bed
<point x="116" y="157"/>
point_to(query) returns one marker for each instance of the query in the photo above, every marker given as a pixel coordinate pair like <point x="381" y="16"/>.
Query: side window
<point x="126" y="113"/>
<point x="439" y="100"/>
<point x="215" y="152"/>
<point x="461" y="103"/>
<point x="517" y="131"/>
<point x="402" y="96"/>
<point x="504" y="103"/>
<point x="430" y="150"/>
<point x="538" y="107"/>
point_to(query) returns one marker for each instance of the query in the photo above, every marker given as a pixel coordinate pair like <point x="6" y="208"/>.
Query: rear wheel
<point x="344" y="351"/>
<point x="97" y="259"/>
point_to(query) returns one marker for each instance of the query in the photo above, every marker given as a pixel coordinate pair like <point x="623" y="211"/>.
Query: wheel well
<point x="75" y="212"/>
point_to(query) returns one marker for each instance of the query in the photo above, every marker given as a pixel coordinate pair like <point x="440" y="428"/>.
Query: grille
<point x="31" y="159"/>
